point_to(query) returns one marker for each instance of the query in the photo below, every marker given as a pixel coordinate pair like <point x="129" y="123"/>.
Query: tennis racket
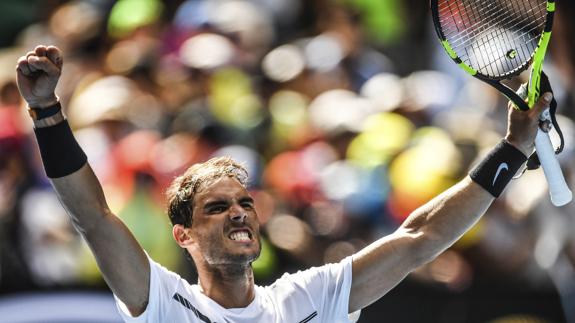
<point x="495" y="40"/>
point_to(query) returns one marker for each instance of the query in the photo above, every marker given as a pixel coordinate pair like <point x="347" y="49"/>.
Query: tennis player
<point x="215" y="220"/>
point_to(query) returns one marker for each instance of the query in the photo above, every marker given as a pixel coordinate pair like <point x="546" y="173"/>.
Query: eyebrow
<point x="224" y="202"/>
<point x="248" y="199"/>
<point x="215" y="203"/>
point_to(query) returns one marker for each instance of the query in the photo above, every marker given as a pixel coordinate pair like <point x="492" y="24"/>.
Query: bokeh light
<point x="385" y="90"/>
<point x="339" y="110"/>
<point x="424" y="170"/>
<point x="206" y="51"/>
<point x="77" y="21"/>
<point x="384" y="135"/>
<point x="128" y="15"/>
<point x="283" y="63"/>
<point x="233" y="101"/>
<point x="293" y="240"/>
<point x="323" y="53"/>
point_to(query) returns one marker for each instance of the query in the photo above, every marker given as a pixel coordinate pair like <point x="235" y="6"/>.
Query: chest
<point x="278" y="308"/>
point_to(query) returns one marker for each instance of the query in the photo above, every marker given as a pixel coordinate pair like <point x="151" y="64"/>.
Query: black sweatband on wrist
<point x="41" y="113"/>
<point x="498" y="168"/>
<point x="61" y="153"/>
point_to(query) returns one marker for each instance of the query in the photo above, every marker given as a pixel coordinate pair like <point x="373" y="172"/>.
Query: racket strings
<point x="485" y="39"/>
<point x="484" y="23"/>
<point x="467" y="28"/>
<point x="495" y="38"/>
<point x="490" y="15"/>
<point x="467" y="37"/>
<point x="502" y="43"/>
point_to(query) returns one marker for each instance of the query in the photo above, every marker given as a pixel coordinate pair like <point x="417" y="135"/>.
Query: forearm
<point x="122" y="261"/>
<point x="82" y="196"/>
<point x="425" y="233"/>
<point x="67" y="167"/>
<point x="443" y="220"/>
<point x="119" y="256"/>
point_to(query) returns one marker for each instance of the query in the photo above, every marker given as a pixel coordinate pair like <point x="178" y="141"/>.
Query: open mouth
<point x="241" y="236"/>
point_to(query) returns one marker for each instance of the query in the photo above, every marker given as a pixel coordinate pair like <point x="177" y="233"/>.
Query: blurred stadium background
<point x="347" y="114"/>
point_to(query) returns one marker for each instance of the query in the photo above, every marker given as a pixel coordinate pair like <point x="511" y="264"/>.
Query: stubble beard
<point x="221" y="257"/>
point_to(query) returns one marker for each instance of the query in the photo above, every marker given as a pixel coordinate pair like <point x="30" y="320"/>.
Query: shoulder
<point x="311" y="280"/>
<point x="170" y="296"/>
<point x="168" y="283"/>
<point x="162" y="272"/>
<point x="327" y="271"/>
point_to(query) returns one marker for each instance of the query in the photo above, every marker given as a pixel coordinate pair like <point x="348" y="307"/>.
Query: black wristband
<point x="61" y="154"/>
<point x="498" y="168"/>
<point x="41" y="113"/>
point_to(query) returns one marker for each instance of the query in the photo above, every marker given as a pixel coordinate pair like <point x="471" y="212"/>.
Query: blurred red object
<point x="287" y="175"/>
<point x="11" y="134"/>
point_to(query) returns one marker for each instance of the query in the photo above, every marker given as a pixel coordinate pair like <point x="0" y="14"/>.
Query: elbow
<point x="87" y="222"/>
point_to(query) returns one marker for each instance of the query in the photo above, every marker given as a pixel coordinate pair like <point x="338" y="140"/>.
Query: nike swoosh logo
<point x="502" y="166"/>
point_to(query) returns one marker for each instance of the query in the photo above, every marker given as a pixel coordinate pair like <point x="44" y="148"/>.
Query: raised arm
<point x="122" y="261"/>
<point x="435" y="226"/>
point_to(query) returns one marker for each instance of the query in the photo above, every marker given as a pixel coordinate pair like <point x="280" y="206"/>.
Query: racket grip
<point x="558" y="189"/>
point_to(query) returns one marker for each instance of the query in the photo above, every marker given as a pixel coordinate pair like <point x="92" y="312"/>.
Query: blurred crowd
<point x="347" y="114"/>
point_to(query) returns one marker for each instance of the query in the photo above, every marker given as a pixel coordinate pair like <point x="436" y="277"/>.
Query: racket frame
<point x="536" y="58"/>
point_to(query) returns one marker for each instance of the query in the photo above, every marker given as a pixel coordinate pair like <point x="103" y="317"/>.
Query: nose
<point x="237" y="214"/>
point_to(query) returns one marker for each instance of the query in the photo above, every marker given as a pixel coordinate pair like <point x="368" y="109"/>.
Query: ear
<point x="182" y="235"/>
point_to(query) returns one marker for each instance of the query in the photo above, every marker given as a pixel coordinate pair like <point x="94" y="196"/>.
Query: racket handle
<point x="558" y="189"/>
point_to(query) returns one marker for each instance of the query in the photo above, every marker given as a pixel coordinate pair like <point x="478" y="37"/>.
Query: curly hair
<point x="183" y="189"/>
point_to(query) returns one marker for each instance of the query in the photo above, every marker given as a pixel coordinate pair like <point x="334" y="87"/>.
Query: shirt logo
<point x="502" y="166"/>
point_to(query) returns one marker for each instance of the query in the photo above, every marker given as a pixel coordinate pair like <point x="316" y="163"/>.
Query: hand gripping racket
<point x="495" y="40"/>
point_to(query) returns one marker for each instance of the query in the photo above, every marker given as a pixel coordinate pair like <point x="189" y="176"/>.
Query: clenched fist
<point x="37" y="74"/>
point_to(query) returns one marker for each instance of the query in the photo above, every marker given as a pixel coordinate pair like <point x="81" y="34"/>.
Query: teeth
<point x="240" y="236"/>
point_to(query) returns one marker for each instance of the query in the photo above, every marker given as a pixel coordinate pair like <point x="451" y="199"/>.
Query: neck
<point x="231" y="286"/>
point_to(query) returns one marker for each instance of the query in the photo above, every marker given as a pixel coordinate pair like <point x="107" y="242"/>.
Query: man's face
<point x="225" y="228"/>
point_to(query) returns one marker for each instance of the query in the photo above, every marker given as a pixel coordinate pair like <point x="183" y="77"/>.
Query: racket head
<point x="493" y="39"/>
